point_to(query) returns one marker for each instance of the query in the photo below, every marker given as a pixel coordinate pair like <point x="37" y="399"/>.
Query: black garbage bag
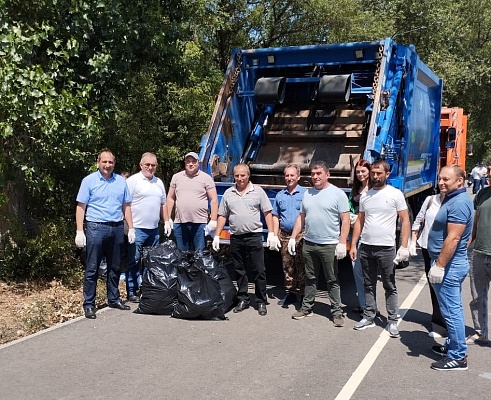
<point x="217" y="270"/>
<point x="199" y="295"/>
<point x="159" y="285"/>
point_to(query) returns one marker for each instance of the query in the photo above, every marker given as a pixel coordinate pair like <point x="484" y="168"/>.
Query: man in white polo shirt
<point x="147" y="207"/>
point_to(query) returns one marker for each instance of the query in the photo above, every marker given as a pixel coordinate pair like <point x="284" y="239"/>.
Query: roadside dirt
<point x="26" y="308"/>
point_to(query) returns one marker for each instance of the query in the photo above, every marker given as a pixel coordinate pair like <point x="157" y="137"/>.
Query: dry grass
<point x="26" y="308"/>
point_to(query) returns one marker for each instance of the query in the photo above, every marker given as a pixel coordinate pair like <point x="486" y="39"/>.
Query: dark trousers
<point x="375" y="260"/>
<point x="243" y="247"/>
<point x="436" y="317"/>
<point x="102" y="241"/>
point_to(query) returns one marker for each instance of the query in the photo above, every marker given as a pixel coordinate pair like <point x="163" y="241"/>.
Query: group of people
<point x="479" y="176"/>
<point x="114" y="209"/>
<point x="313" y="228"/>
<point x="451" y="230"/>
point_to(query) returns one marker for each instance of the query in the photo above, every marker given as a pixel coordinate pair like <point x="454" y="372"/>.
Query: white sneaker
<point x="434" y="335"/>
<point x="393" y="331"/>
<point x="363" y="324"/>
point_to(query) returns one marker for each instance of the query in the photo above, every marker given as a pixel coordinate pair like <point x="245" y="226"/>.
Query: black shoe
<point x="241" y="306"/>
<point x="119" y="305"/>
<point x="90" y="313"/>
<point x="440" y="350"/>
<point x="446" y="364"/>
<point x="133" y="299"/>
<point x="261" y="309"/>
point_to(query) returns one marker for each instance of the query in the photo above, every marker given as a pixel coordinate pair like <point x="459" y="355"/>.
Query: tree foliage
<point x="77" y="76"/>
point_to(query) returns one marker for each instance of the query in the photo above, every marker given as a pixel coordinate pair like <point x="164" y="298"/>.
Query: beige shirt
<point x="191" y="196"/>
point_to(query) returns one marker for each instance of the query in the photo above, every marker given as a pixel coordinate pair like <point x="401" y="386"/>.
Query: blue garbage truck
<point x="334" y="102"/>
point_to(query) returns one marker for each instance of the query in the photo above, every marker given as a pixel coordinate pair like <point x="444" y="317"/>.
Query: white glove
<point x="291" y="247"/>
<point x="168" y="226"/>
<point x="412" y="247"/>
<point x="435" y="275"/>
<point x="131" y="236"/>
<point x="269" y="239"/>
<point x="352" y="218"/>
<point x="80" y="240"/>
<point x="274" y="243"/>
<point x="340" y="250"/>
<point x="212" y="225"/>
<point x="402" y="255"/>
<point x="216" y="243"/>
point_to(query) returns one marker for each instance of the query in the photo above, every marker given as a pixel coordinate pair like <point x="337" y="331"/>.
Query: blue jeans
<point x="449" y="294"/>
<point x="143" y="238"/>
<point x="477" y="186"/>
<point x="379" y="260"/>
<point x="317" y="256"/>
<point x="190" y="236"/>
<point x="102" y="241"/>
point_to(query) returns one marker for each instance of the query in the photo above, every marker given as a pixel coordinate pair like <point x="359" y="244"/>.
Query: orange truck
<point x="453" y="136"/>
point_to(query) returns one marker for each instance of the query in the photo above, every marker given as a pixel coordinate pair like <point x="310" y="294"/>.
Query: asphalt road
<point x="123" y="355"/>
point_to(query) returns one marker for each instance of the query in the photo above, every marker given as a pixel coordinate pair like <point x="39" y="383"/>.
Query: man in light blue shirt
<point x="325" y="215"/>
<point x="285" y="212"/>
<point x="447" y="246"/>
<point x="103" y="200"/>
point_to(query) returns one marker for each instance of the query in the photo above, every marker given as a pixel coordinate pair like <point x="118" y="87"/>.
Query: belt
<point x="109" y="223"/>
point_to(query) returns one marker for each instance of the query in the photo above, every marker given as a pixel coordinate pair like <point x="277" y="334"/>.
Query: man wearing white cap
<point x="190" y="190"/>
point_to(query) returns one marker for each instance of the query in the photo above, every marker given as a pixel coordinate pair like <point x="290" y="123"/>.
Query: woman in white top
<point x="422" y="225"/>
<point x="361" y="185"/>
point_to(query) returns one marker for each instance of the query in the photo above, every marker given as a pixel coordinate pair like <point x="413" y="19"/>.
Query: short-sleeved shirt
<point x="148" y="196"/>
<point x="103" y="197"/>
<point x="244" y="212"/>
<point x="381" y="207"/>
<point x="426" y="214"/>
<point x="192" y="196"/>
<point x="482" y="205"/>
<point x="456" y="208"/>
<point x="287" y="207"/>
<point x="322" y="209"/>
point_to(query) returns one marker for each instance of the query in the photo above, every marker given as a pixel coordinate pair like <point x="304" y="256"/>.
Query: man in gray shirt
<point x="242" y="204"/>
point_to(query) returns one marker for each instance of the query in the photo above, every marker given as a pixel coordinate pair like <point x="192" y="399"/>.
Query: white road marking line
<point x="352" y="384"/>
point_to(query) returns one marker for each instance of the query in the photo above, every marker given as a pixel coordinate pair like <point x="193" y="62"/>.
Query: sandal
<point x="476" y="339"/>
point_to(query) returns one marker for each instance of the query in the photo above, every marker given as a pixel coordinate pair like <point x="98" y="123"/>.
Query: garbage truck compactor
<point x="337" y="103"/>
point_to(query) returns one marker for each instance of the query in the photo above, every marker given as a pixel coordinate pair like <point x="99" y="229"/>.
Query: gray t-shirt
<point x="482" y="205"/>
<point x="322" y="209"/>
<point x="244" y="212"/>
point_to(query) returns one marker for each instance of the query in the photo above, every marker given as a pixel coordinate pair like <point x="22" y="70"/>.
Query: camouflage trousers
<point x="293" y="266"/>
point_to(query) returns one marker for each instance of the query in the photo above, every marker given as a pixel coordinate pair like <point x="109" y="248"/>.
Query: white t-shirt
<point x="148" y="197"/>
<point x="476" y="172"/>
<point x="381" y="208"/>
<point x="429" y="215"/>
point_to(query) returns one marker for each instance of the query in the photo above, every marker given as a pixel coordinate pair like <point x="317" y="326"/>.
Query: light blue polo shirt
<point x="287" y="207"/>
<point x="104" y="197"/>
<point x="456" y="208"/>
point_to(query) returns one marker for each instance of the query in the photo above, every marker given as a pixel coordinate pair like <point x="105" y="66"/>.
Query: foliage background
<point x="77" y="76"/>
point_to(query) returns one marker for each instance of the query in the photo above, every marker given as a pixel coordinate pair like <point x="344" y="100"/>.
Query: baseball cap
<point x="192" y="154"/>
